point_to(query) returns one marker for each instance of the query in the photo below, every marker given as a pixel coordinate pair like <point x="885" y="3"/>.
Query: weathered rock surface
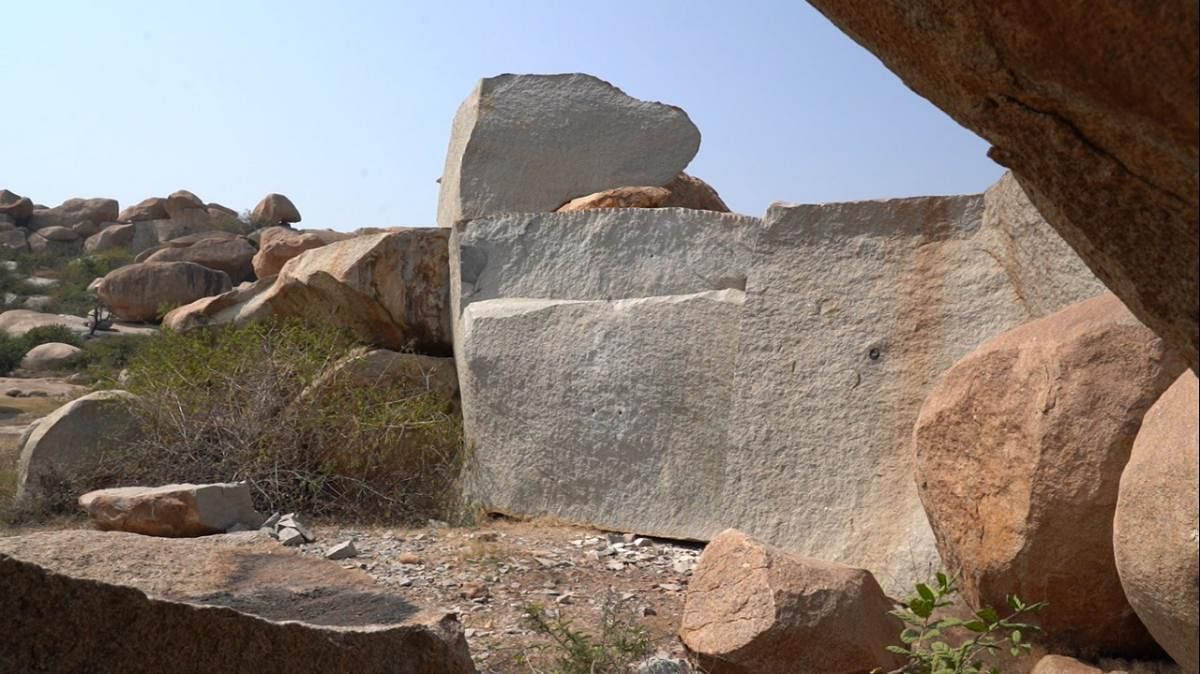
<point x="221" y="251"/>
<point x="783" y="406"/>
<point x="17" y="207"/>
<point x="1061" y="92"/>
<point x="390" y="289"/>
<point x="154" y="208"/>
<point x="523" y="143"/>
<point x="275" y="209"/>
<point x="1061" y="664"/>
<point x="753" y="608"/>
<point x="67" y="442"/>
<point x="1019" y="451"/>
<point x="174" y="510"/>
<point x="48" y="356"/>
<point x="1156" y="524"/>
<point x="140" y="291"/>
<point x="85" y="601"/>
<point x="73" y="211"/>
<point x="277" y="245"/>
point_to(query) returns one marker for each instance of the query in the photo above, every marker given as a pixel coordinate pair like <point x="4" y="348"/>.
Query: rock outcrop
<point x="687" y="191"/>
<point x="222" y="251"/>
<point x="174" y="510"/>
<point x="275" y="209"/>
<point x="154" y="208"/>
<point x="73" y="211"/>
<point x="1061" y="91"/>
<point x="145" y="290"/>
<point x="1019" y="451"/>
<point x="678" y="372"/>
<point x="1154" y="532"/>
<point x="15" y="206"/>
<point x="753" y="608"/>
<point x="65" y="444"/>
<point x="277" y="245"/>
<point x="77" y="601"/>
<point x="524" y="143"/>
<point x="391" y="289"/>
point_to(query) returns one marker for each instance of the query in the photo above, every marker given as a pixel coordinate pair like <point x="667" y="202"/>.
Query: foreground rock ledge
<point x="73" y="601"/>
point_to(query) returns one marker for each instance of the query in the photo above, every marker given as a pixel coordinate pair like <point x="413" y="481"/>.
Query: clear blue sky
<point x="346" y="106"/>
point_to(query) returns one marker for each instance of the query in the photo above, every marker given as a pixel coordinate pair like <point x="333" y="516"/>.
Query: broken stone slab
<point x="343" y="550"/>
<point x="289" y="536"/>
<point x="531" y="143"/>
<point x="174" y="510"/>
<point x="850" y="314"/>
<point x="140" y="603"/>
<point x="653" y="454"/>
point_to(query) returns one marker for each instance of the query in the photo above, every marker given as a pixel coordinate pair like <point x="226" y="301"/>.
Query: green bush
<point x="104" y="357"/>
<point x="255" y="403"/>
<point x="70" y="295"/>
<point x="949" y="645"/>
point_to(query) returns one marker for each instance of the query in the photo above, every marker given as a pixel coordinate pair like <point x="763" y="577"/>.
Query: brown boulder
<point x="274" y="209"/>
<point x="73" y="211"/>
<point x="621" y="197"/>
<point x="1154" y="532"/>
<point x="753" y="609"/>
<point x="174" y="510"/>
<point x="90" y="601"/>
<point x="277" y="245"/>
<point x="178" y="202"/>
<point x="1094" y="108"/>
<point x="236" y="306"/>
<point x="226" y="252"/>
<point x="1019" y="451"/>
<point x="143" y="291"/>
<point x="17" y="207"/>
<point x="117" y="236"/>
<point x="691" y="192"/>
<point x="154" y="208"/>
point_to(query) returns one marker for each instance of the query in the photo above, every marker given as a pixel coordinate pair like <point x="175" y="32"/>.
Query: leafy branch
<point x="924" y="634"/>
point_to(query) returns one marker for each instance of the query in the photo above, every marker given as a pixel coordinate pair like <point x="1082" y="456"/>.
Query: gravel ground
<point x="490" y="574"/>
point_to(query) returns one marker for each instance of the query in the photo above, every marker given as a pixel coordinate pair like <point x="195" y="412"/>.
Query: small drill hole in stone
<point x="873" y="354"/>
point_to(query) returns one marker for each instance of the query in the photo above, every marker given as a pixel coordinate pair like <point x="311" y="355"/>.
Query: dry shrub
<point x="238" y="403"/>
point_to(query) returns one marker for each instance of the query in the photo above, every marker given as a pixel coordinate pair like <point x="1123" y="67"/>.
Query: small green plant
<point x="948" y="645"/>
<point x="618" y="644"/>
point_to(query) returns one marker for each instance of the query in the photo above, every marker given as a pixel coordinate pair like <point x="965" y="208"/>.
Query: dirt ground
<point x="490" y="574"/>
